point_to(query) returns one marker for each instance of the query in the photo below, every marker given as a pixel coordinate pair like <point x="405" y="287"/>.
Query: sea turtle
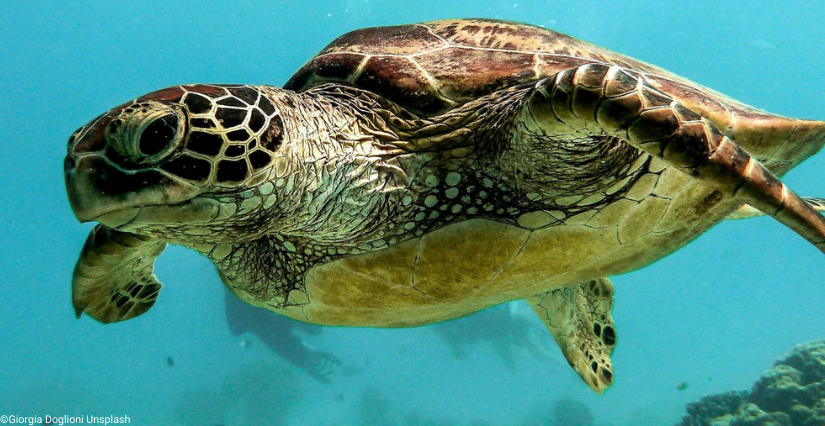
<point x="413" y="174"/>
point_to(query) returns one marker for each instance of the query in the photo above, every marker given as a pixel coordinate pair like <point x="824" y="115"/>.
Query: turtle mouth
<point x="197" y="210"/>
<point x="100" y="191"/>
<point x="119" y="218"/>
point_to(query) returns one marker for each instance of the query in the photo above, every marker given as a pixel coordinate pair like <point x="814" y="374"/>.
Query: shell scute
<point x="397" y="40"/>
<point x="334" y="67"/>
<point x="466" y="74"/>
<point x="479" y="33"/>
<point x="400" y="79"/>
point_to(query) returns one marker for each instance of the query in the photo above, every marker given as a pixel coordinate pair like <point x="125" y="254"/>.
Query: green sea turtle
<point x="413" y="174"/>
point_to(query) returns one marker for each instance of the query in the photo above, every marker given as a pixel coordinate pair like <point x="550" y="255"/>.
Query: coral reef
<point x="792" y="393"/>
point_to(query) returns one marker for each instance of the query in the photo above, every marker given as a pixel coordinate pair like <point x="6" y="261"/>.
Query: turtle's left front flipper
<point x="580" y="319"/>
<point x="113" y="279"/>
<point x="595" y="98"/>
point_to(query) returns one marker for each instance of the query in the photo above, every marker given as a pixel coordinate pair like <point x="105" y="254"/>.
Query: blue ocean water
<point x="715" y="314"/>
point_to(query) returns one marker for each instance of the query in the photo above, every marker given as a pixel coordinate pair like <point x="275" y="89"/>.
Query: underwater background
<point x="706" y="319"/>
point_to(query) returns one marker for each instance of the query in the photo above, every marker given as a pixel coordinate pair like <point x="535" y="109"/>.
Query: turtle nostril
<point x="69" y="163"/>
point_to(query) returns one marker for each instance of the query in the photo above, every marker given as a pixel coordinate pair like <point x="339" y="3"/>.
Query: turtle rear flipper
<point x="579" y="317"/>
<point x="113" y="279"/>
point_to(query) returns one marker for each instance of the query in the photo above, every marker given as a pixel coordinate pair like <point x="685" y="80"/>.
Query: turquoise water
<point x="714" y="314"/>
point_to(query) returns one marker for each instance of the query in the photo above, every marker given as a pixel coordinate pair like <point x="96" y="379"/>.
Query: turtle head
<point x="166" y="157"/>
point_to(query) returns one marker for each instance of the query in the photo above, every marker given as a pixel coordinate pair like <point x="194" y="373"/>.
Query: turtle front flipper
<point x="598" y="99"/>
<point x="113" y="279"/>
<point x="579" y="317"/>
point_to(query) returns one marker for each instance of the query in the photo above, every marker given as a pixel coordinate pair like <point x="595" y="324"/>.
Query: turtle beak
<point x="80" y="210"/>
<point x="99" y="190"/>
<point x="94" y="187"/>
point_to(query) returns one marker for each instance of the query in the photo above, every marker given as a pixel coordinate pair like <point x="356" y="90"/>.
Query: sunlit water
<point x="715" y="314"/>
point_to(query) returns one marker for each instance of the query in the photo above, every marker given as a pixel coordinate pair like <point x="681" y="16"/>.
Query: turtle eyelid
<point x="147" y="133"/>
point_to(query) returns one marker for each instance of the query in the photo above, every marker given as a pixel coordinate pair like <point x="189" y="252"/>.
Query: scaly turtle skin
<point x="413" y="174"/>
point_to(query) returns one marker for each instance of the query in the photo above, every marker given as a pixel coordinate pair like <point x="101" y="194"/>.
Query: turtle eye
<point x="158" y="135"/>
<point x="146" y="133"/>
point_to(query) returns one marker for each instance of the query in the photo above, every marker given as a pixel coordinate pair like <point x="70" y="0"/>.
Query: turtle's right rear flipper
<point x="113" y="279"/>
